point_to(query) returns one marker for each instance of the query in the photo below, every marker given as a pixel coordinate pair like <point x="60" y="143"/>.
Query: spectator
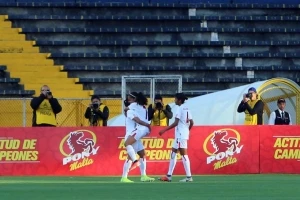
<point x="253" y="108"/>
<point x="159" y="114"/>
<point x="279" y="116"/>
<point x="97" y="113"/>
<point x="45" y="108"/>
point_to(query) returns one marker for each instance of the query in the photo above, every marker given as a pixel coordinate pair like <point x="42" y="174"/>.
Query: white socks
<point x="143" y="166"/>
<point x="131" y="152"/>
<point x="126" y="166"/>
<point x="172" y="164"/>
<point x="187" y="165"/>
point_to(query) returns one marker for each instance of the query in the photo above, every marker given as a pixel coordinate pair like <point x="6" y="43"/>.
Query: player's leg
<point x="143" y="163"/>
<point x="172" y="163"/>
<point x="126" y="166"/>
<point x="138" y="134"/>
<point x="130" y="140"/>
<point x="185" y="160"/>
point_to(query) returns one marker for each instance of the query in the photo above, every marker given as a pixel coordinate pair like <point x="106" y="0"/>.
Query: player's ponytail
<point x="141" y="99"/>
<point x="181" y="96"/>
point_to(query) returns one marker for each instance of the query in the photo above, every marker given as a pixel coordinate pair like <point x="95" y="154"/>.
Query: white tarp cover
<point x="220" y="108"/>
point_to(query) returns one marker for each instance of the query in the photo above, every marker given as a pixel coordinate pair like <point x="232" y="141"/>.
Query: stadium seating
<point x="10" y="87"/>
<point x="217" y="47"/>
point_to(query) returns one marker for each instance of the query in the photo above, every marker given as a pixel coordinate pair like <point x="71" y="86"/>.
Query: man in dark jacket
<point x="97" y="113"/>
<point x="45" y="108"/>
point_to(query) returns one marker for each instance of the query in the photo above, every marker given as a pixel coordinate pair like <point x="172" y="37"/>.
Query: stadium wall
<point x="100" y="151"/>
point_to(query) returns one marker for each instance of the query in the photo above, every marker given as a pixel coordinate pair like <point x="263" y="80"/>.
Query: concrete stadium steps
<point x="9" y="30"/>
<point x="34" y="68"/>
<point x="55" y="86"/>
<point x="40" y="74"/>
<point x="25" y="56"/>
<point x="46" y="80"/>
<point x="7" y="49"/>
<point x="71" y="93"/>
<point x="5" y="24"/>
<point x="27" y="62"/>
<point x="12" y="37"/>
<point x="18" y="47"/>
<point x="17" y="44"/>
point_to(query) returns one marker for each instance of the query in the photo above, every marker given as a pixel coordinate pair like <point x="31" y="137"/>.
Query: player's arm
<point x="175" y="123"/>
<point x="140" y="122"/>
<point x="191" y="123"/>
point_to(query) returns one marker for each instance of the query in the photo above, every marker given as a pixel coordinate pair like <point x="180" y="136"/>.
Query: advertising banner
<point x="101" y="151"/>
<point x="280" y="149"/>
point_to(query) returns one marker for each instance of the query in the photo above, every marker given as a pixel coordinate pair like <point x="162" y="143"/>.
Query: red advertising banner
<point x="101" y="151"/>
<point x="279" y="149"/>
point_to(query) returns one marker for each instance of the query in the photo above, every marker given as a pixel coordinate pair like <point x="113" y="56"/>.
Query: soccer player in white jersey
<point x="182" y="124"/>
<point x="133" y="123"/>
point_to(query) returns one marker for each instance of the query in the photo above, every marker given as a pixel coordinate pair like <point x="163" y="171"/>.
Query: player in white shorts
<point x="182" y="124"/>
<point x="134" y="129"/>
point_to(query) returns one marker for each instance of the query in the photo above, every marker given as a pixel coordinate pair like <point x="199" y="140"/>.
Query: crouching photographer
<point x="159" y="114"/>
<point x="97" y="113"/>
<point x="253" y="108"/>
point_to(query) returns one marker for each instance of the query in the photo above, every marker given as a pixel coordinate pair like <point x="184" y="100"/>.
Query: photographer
<point x="45" y="108"/>
<point x="97" y="113"/>
<point x="279" y="116"/>
<point x="253" y="108"/>
<point x="159" y="114"/>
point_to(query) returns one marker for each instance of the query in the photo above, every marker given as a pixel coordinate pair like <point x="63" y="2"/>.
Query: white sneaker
<point x="187" y="180"/>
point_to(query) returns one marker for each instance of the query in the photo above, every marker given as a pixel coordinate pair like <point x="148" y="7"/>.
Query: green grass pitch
<point x="219" y="187"/>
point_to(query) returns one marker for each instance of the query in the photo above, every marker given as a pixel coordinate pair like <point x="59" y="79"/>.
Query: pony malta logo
<point x="222" y="146"/>
<point x="78" y="147"/>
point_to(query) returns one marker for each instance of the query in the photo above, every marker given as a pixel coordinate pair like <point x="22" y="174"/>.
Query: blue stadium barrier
<point x="160" y="1"/>
<point x="177" y="68"/>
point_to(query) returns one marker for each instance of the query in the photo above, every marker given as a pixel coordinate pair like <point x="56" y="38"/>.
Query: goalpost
<point x="150" y="85"/>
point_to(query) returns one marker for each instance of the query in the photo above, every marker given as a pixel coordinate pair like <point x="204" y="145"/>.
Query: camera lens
<point x="158" y="105"/>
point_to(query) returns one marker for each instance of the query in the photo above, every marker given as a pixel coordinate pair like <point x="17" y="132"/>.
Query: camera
<point x="49" y="93"/>
<point x="249" y="95"/>
<point x="95" y="106"/>
<point x="158" y="105"/>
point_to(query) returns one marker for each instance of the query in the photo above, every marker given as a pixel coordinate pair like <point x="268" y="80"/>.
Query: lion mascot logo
<point x="221" y="144"/>
<point x="77" y="145"/>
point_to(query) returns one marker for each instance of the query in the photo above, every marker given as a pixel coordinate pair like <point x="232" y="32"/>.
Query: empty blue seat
<point x="282" y="4"/>
<point x="9" y="80"/>
<point x="17" y="92"/>
<point x="184" y="80"/>
<point x="167" y="43"/>
<point x="159" y="30"/>
<point x="175" y="55"/>
<point x="2" y="67"/>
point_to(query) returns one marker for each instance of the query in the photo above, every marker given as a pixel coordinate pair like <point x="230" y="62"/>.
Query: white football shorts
<point x="180" y="143"/>
<point x="138" y="145"/>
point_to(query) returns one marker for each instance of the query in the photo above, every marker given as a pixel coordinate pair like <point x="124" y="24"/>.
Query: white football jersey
<point x="133" y="106"/>
<point x="129" y="123"/>
<point x="142" y="114"/>
<point x="182" y="129"/>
